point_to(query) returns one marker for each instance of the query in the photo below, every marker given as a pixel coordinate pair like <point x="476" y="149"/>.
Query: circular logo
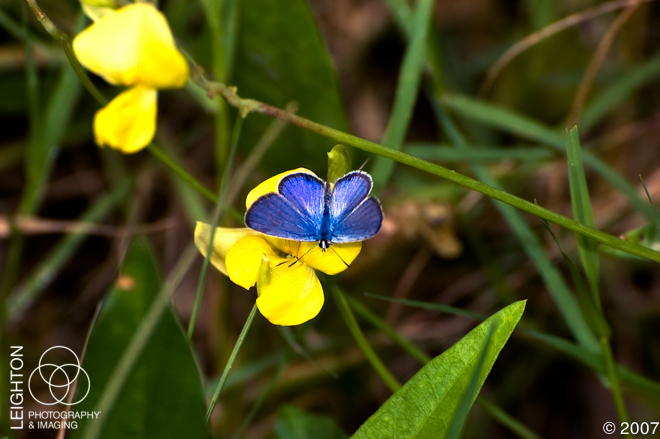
<point x="59" y="379"/>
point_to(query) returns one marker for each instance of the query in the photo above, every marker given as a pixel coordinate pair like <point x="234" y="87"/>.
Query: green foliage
<point x="427" y="403"/>
<point x="162" y="396"/>
<point x="293" y="423"/>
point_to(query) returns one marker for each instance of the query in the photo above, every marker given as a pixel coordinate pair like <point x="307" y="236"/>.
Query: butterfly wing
<point x="353" y="216"/>
<point x="293" y="213"/>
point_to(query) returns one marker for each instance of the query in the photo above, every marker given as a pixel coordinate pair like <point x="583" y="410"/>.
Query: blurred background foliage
<point x="338" y="61"/>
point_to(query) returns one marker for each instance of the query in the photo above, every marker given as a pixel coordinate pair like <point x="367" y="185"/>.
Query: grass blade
<point x="582" y="212"/>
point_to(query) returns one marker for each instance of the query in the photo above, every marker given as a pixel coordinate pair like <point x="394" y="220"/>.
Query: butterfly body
<point x="308" y="209"/>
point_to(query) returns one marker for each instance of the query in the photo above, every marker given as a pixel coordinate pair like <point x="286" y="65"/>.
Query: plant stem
<point x="390" y="381"/>
<point x="220" y="207"/>
<point x="65" y="42"/>
<point x="613" y="378"/>
<point x="246" y="106"/>
<point x="178" y="170"/>
<point x="230" y="362"/>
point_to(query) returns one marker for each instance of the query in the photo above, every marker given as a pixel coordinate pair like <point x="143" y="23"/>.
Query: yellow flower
<point x="132" y="46"/>
<point x="128" y="120"/>
<point x="289" y="292"/>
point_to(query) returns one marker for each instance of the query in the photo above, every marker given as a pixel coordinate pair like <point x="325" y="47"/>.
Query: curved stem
<point x="230" y="362"/>
<point x="246" y="106"/>
<point x="65" y="42"/>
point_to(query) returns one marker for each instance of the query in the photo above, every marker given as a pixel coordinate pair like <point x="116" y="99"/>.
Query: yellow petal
<point x="132" y="45"/>
<point x="335" y="259"/>
<point x="128" y="122"/>
<point x="293" y="296"/>
<point x="223" y="240"/>
<point x="244" y="258"/>
<point x="270" y="185"/>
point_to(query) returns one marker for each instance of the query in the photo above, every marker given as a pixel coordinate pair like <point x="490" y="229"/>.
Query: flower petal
<point x="133" y="45"/>
<point x="128" y="122"/>
<point x="335" y="259"/>
<point x="293" y="296"/>
<point x="270" y="185"/>
<point x="244" y="258"/>
<point x="223" y="240"/>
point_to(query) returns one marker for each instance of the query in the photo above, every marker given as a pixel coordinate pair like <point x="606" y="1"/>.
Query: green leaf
<point x="470" y="393"/>
<point x="296" y="424"/>
<point x="162" y="397"/>
<point x="582" y="212"/>
<point x="339" y="163"/>
<point x="282" y="59"/>
<point x="427" y="403"/>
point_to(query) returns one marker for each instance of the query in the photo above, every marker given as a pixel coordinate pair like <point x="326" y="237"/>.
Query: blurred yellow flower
<point x="132" y="46"/>
<point x="288" y="290"/>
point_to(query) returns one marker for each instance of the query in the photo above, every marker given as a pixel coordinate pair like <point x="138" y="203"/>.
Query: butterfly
<point x="308" y="209"/>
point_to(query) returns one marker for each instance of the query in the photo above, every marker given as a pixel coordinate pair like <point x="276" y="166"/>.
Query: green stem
<point x="390" y="381"/>
<point x="220" y="206"/>
<point x="230" y="362"/>
<point x="65" y="42"/>
<point x="247" y="105"/>
<point x="178" y="170"/>
<point x="613" y="378"/>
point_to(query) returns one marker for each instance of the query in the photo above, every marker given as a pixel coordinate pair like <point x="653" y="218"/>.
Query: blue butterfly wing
<point x="353" y="216"/>
<point x="360" y="224"/>
<point x="305" y="194"/>
<point x="273" y="215"/>
<point x="349" y="191"/>
<point x="293" y="213"/>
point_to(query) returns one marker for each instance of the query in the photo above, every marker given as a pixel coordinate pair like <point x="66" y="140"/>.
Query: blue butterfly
<point x="306" y="208"/>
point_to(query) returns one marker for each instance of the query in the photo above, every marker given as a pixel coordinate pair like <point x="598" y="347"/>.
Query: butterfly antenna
<point x="299" y="258"/>
<point x="363" y="164"/>
<point x="342" y="259"/>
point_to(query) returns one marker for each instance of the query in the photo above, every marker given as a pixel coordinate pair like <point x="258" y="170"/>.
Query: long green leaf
<point x="406" y="91"/>
<point x="425" y="405"/>
<point x="582" y="211"/>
